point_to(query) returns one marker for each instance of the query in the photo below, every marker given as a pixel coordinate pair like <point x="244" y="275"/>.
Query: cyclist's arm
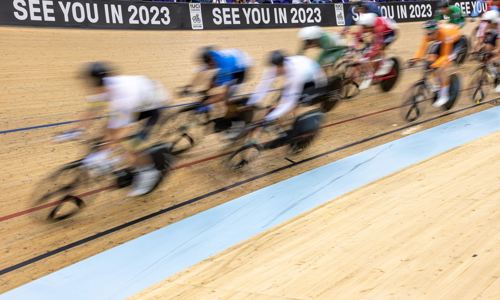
<point x="421" y="50"/>
<point x="439" y="16"/>
<point x="96" y="104"/>
<point x="288" y="101"/>
<point x="263" y="87"/>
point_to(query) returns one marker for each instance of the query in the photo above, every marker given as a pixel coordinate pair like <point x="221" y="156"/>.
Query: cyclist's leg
<point x="386" y="65"/>
<point x="442" y="73"/>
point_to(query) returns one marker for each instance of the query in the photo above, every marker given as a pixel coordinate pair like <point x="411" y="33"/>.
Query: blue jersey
<point x="229" y="62"/>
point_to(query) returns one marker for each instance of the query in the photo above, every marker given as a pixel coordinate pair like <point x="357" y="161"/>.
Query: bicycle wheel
<point x="389" y="81"/>
<point x="243" y="156"/>
<point x="58" y="192"/>
<point x="412" y="107"/>
<point x="304" y="130"/>
<point x="454" y="92"/>
<point x="350" y="85"/>
<point x="332" y="97"/>
<point x="463" y="52"/>
<point x="480" y="85"/>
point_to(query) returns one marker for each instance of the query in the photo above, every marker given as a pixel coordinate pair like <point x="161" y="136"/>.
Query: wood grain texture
<point x="431" y="231"/>
<point x="39" y="85"/>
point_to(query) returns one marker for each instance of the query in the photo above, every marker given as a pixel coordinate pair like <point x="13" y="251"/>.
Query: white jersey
<point x="129" y="95"/>
<point x="299" y="70"/>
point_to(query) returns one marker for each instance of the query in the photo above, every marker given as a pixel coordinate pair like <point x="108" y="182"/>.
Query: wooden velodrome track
<point x="40" y="86"/>
<point x="396" y="238"/>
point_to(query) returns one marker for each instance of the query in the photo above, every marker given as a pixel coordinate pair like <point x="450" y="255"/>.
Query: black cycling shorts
<point x="152" y="117"/>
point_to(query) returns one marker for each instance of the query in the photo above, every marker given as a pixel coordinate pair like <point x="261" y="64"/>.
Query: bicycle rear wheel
<point x="332" y="97"/>
<point x="389" y="81"/>
<point x="454" y="91"/>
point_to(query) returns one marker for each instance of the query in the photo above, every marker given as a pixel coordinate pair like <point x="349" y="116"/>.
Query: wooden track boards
<point x="430" y="231"/>
<point x="39" y="86"/>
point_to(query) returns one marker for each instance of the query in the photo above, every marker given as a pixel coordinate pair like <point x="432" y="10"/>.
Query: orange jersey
<point x="448" y="35"/>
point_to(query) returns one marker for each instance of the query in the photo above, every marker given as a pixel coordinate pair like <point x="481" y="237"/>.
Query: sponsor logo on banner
<point x="339" y="14"/>
<point x="196" y="16"/>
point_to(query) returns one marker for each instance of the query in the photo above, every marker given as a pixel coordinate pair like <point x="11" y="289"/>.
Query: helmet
<point x="367" y="19"/>
<point x="443" y="4"/>
<point x="490" y="16"/>
<point x="277" y="58"/>
<point x="310" y="33"/>
<point x="430" y="25"/>
<point x="98" y="71"/>
<point x="206" y="54"/>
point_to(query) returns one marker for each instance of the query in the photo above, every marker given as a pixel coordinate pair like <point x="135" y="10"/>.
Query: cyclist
<point x="384" y="33"/>
<point x="488" y="41"/>
<point x="301" y="74"/>
<point x="361" y="7"/>
<point x="129" y="100"/>
<point x="487" y="27"/>
<point x="451" y="13"/>
<point x="231" y="67"/>
<point x="332" y="47"/>
<point x="442" y="42"/>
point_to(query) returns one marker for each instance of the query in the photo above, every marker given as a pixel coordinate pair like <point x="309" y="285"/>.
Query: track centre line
<point x="218" y="191"/>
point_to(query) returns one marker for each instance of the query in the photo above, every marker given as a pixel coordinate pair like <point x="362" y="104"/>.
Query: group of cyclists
<point x="133" y="99"/>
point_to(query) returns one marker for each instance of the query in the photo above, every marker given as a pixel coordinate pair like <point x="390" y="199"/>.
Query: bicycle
<point x="182" y="125"/>
<point x="65" y="188"/>
<point x="300" y="136"/>
<point x="483" y="77"/>
<point x="302" y="132"/>
<point x="422" y="91"/>
<point x="353" y="76"/>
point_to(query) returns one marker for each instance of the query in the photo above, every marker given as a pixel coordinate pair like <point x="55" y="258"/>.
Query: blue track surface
<point x="129" y="268"/>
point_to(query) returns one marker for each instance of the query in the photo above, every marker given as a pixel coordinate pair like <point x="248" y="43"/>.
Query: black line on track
<point x="220" y="190"/>
<point x="290" y="161"/>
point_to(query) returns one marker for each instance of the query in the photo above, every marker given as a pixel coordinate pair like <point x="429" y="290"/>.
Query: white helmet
<point x="310" y="33"/>
<point x="490" y="16"/>
<point x="367" y="19"/>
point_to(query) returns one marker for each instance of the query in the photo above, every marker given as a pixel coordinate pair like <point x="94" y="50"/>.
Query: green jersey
<point x="333" y="48"/>
<point x="455" y="16"/>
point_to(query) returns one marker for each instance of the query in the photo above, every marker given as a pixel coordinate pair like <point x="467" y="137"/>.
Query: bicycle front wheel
<point x="412" y="107"/>
<point x="480" y="85"/>
<point x="58" y="192"/>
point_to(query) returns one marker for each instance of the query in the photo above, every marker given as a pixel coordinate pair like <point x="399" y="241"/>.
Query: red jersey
<point x="381" y="29"/>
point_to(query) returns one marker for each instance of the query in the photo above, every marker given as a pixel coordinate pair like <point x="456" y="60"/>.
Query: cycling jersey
<point x="448" y="35"/>
<point x="332" y="48"/>
<point x="299" y="72"/>
<point x="128" y="96"/>
<point x="383" y="35"/>
<point x="231" y="64"/>
<point x="455" y="16"/>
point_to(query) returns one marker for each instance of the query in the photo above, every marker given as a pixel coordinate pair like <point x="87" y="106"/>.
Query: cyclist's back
<point x="229" y="62"/>
<point x="129" y="95"/>
<point x="447" y="36"/>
